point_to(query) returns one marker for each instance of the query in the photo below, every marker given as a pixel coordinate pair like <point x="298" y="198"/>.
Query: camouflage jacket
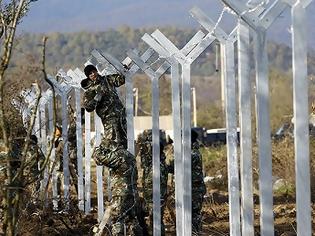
<point x="145" y="152"/>
<point x="110" y="105"/>
<point x="35" y="160"/>
<point x="59" y="153"/>
<point x="196" y="167"/>
<point x="72" y="136"/>
<point x="147" y="178"/>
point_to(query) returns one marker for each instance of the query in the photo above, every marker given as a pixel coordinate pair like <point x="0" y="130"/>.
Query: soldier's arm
<point x="116" y="80"/>
<point x="170" y="167"/>
<point x="59" y="148"/>
<point x="89" y="103"/>
<point x="40" y="156"/>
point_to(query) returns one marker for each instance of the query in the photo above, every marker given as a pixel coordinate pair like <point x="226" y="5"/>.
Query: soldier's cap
<point x="146" y="137"/>
<point x="88" y="69"/>
<point x="194" y="136"/>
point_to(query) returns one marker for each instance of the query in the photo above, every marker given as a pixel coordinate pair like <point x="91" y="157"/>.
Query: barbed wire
<point x="252" y="7"/>
<point x="261" y="4"/>
<point x="216" y="25"/>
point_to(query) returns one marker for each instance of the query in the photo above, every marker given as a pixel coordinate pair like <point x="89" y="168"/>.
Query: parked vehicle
<point x="214" y="137"/>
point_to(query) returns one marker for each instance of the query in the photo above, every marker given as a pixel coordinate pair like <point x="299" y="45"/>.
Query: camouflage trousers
<point x="73" y="167"/>
<point x="148" y="200"/>
<point x="115" y="133"/>
<point x="149" y="218"/>
<point x="124" y="188"/>
<point x="60" y="181"/>
<point x="197" y="200"/>
<point x="123" y="203"/>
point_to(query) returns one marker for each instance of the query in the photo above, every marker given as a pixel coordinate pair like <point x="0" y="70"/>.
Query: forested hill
<point x="70" y="50"/>
<point x="99" y="15"/>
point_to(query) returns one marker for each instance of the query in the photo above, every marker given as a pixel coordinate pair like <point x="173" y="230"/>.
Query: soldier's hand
<point x="99" y="89"/>
<point x="97" y="161"/>
<point x="99" y="94"/>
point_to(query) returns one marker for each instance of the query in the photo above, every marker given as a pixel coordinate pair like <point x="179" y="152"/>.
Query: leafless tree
<point x="15" y="155"/>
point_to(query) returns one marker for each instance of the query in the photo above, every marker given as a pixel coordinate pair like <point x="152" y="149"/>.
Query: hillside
<point x="70" y="50"/>
<point x="95" y="15"/>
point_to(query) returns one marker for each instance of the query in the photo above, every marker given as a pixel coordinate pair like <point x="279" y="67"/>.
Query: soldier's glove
<point x="99" y="94"/>
<point x="98" y="161"/>
<point x="126" y="68"/>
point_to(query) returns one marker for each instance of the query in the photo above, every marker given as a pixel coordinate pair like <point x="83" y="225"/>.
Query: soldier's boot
<point x="141" y="213"/>
<point x="135" y="229"/>
<point x="196" y="224"/>
<point x="162" y="228"/>
<point x="149" y="230"/>
<point x="149" y="220"/>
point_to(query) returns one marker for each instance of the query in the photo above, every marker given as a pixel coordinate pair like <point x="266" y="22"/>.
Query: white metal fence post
<point x="63" y="90"/>
<point x="185" y="57"/>
<point x="247" y="205"/>
<point x="77" y="76"/>
<point x="260" y="21"/>
<point x="301" y="122"/>
<point x="43" y="135"/>
<point x="263" y="134"/>
<point x="99" y="169"/>
<point x="87" y="163"/>
<point x="228" y="67"/>
<point x="231" y="138"/>
<point x="53" y="154"/>
<point x="165" y="49"/>
<point x="154" y="76"/>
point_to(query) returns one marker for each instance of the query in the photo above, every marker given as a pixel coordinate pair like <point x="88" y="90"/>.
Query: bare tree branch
<point x="10" y="15"/>
<point x="28" y="135"/>
<point x="54" y="109"/>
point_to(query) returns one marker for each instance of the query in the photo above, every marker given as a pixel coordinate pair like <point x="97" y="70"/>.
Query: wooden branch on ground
<point x="98" y="231"/>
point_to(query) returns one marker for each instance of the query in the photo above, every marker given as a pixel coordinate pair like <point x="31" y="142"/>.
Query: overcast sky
<point x="78" y="15"/>
<point x="99" y="15"/>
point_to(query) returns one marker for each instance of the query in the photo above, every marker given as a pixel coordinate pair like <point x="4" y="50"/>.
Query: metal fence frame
<point x="256" y="22"/>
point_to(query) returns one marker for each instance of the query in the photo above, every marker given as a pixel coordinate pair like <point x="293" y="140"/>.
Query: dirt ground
<point x="215" y="218"/>
<point x="216" y="215"/>
<point x="36" y="221"/>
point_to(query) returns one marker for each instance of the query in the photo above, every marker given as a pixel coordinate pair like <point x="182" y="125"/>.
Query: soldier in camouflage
<point x="144" y="145"/>
<point x="35" y="160"/>
<point x="58" y="164"/>
<point x="198" y="186"/>
<point x="72" y="144"/>
<point x="73" y="162"/>
<point x="101" y="95"/>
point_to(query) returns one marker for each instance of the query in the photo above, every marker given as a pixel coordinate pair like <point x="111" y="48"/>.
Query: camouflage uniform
<point x="34" y="160"/>
<point x="198" y="186"/>
<point x="170" y="198"/>
<point x="59" y="163"/>
<point x="112" y="151"/>
<point x="73" y="162"/>
<point x="144" y="144"/>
